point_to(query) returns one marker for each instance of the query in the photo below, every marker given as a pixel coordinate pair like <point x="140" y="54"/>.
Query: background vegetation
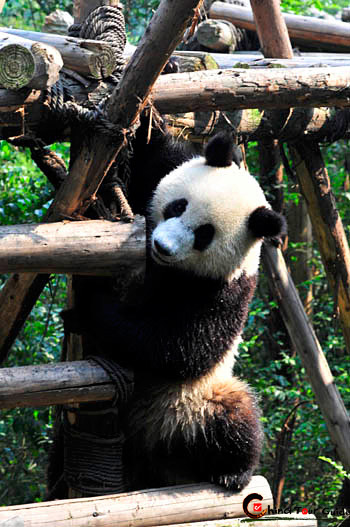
<point x="278" y="377"/>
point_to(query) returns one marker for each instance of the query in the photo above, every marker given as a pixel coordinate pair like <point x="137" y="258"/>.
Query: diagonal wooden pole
<point x="299" y="328"/>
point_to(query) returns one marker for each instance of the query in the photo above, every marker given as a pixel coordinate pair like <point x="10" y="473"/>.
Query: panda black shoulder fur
<point x="189" y="420"/>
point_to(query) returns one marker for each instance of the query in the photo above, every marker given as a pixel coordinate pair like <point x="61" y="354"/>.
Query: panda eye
<point x="203" y="236"/>
<point x="175" y="208"/>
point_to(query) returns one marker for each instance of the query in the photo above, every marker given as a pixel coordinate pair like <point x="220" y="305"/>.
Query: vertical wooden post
<point x="271" y="28"/>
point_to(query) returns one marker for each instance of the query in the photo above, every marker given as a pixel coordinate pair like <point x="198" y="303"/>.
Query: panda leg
<point x="232" y="434"/>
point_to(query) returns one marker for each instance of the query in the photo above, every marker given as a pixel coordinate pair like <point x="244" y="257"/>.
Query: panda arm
<point x="175" y="344"/>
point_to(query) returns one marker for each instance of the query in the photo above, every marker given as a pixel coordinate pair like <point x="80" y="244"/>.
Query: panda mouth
<point x="159" y="259"/>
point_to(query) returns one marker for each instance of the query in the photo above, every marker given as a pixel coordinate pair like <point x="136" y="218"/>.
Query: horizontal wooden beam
<point x="87" y="57"/>
<point x="255" y="124"/>
<point x="207" y="91"/>
<point x="49" y="384"/>
<point x="328" y="34"/>
<point x="241" y="89"/>
<point x="148" y="508"/>
<point x="80" y="247"/>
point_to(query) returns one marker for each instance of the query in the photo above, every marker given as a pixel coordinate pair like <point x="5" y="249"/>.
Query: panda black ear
<point x="264" y="222"/>
<point x="219" y="151"/>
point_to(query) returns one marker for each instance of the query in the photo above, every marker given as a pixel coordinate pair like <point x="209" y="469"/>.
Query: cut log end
<point x="17" y="66"/>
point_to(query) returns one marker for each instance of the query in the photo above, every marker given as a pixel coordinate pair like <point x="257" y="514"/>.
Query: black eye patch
<point x="203" y="236"/>
<point x="175" y="208"/>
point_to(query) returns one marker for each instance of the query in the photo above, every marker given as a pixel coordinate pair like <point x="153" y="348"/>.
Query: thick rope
<point x="107" y="24"/>
<point x="92" y="463"/>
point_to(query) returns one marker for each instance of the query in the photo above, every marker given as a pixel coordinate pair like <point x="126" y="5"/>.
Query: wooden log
<point x="271" y="28"/>
<point x="88" y="247"/>
<point x="253" y="124"/>
<point x="276" y="520"/>
<point x="164" y="506"/>
<point x="327" y="226"/>
<point x="27" y="63"/>
<point x="49" y="384"/>
<point x="216" y="34"/>
<point x="87" y="57"/>
<point x="318" y="33"/>
<point x="266" y="89"/>
<point x="307" y="345"/>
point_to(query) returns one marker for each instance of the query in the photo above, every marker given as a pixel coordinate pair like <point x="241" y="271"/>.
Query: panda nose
<point x="161" y="249"/>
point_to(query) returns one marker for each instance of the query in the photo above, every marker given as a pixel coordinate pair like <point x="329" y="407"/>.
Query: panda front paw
<point x="172" y="66"/>
<point x="233" y="482"/>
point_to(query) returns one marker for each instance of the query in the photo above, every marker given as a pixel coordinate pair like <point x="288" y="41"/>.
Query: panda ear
<point x="265" y="222"/>
<point x="219" y="151"/>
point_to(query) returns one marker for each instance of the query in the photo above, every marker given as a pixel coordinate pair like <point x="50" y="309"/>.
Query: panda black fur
<point x="189" y="419"/>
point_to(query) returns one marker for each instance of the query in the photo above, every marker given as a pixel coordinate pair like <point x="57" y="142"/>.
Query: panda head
<point x="209" y="216"/>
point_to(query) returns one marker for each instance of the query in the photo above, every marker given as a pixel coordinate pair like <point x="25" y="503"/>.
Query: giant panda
<point x="189" y="419"/>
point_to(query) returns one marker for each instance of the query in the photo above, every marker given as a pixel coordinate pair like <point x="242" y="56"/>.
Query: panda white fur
<point x="190" y="419"/>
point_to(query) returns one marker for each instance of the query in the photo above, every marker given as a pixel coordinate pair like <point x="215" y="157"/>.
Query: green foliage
<point x="25" y="196"/>
<point x="30" y="14"/>
<point x="300" y="7"/>
<point x="137" y="15"/>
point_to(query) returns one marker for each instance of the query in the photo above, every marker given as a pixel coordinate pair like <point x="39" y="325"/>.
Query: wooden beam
<point x="242" y="89"/>
<point x="254" y="124"/>
<point x="88" y="247"/>
<point x="308" y="347"/>
<point x="148" y="508"/>
<point x="27" y="63"/>
<point x="325" y="34"/>
<point x="327" y="226"/>
<point x="88" y="57"/>
<point x="271" y="28"/>
<point x="49" y="384"/>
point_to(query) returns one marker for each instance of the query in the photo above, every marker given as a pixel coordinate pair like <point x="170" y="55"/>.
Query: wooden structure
<point x="227" y="98"/>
